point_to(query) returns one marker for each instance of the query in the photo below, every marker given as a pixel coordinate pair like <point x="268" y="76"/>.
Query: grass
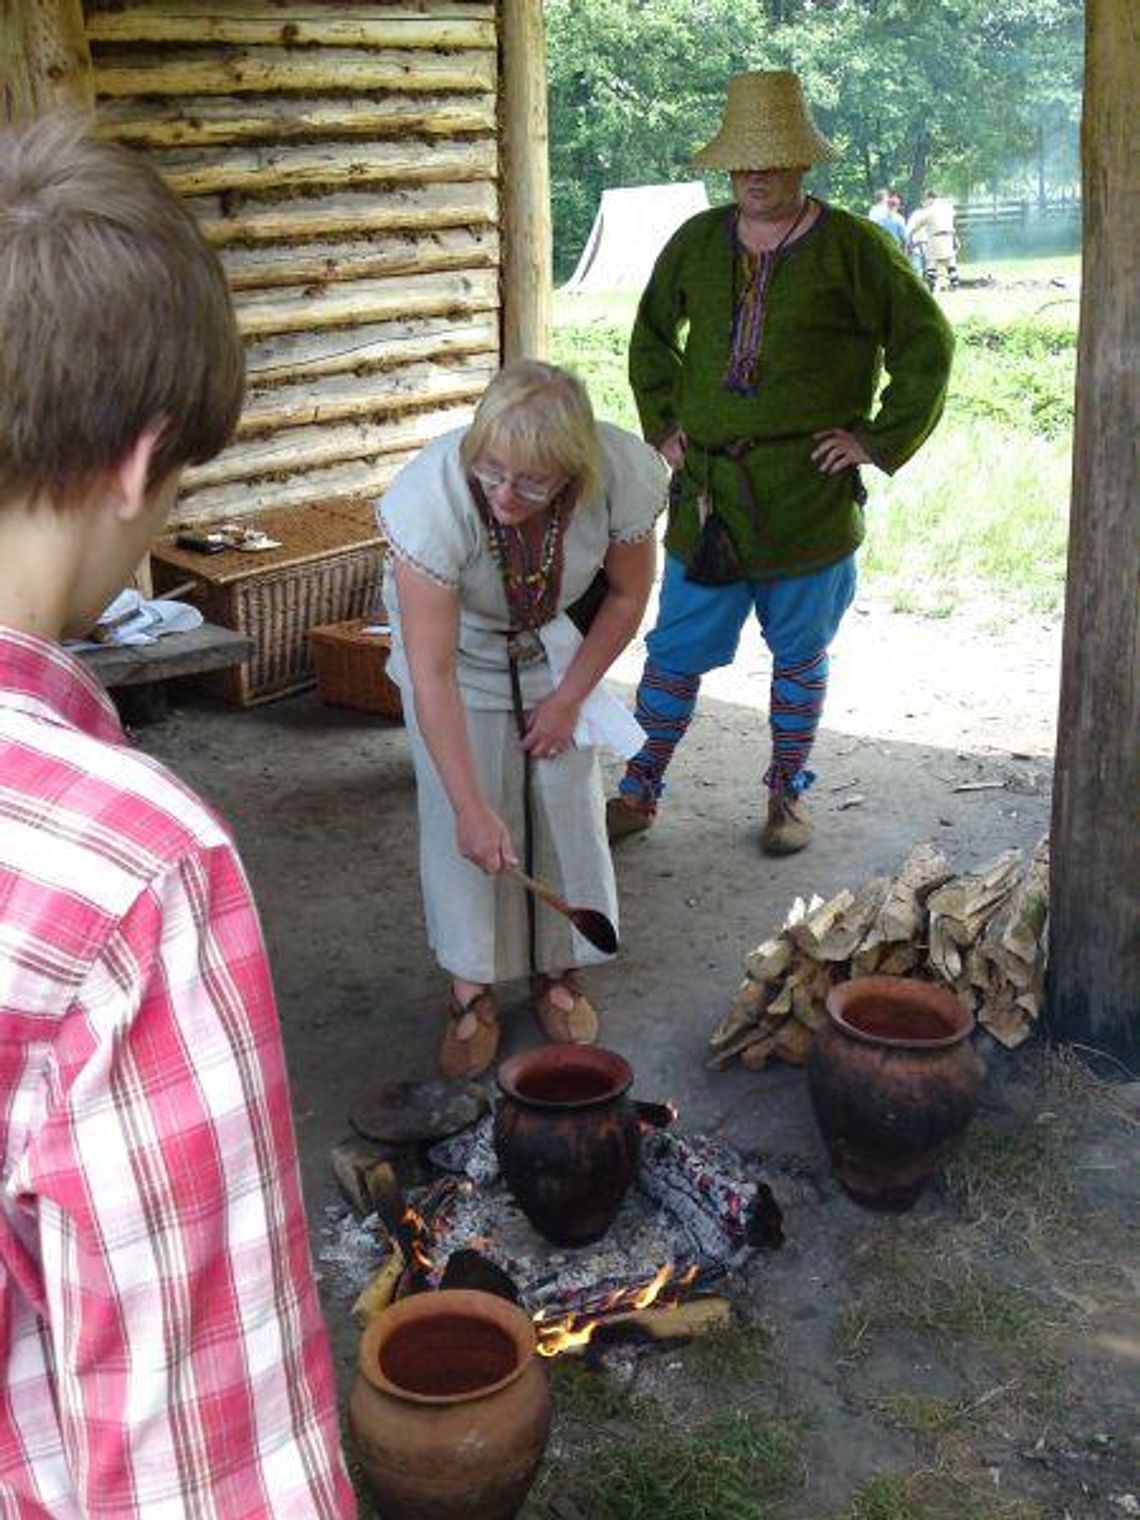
<point x="981" y="513"/>
<point x="933" y="1495"/>
<point x="732" y="1463"/>
<point x="715" y="1439"/>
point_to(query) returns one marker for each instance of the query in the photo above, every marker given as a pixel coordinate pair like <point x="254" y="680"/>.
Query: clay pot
<point x="450" y="1410"/>
<point x="567" y="1138"/>
<point x="893" y="1082"/>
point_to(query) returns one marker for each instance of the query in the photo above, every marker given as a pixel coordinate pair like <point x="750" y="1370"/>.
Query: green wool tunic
<point x="843" y="304"/>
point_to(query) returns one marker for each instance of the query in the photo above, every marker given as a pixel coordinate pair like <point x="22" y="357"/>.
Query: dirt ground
<point x="974" y="1358"/>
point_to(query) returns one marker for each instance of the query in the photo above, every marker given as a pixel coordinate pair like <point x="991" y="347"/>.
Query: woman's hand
<point x="550" y="727"/>
<point x="483" y="839"/>
<point x="672" y="449"/>
<point x="838" y="450"/>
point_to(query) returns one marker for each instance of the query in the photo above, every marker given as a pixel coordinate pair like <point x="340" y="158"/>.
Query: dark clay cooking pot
<point x="894" y="1081"/>
<point x="567" y="1138"/>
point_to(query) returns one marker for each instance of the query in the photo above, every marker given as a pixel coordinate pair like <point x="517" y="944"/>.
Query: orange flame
<point x="572" y="1330"/>
<point x="419" y="1228"/>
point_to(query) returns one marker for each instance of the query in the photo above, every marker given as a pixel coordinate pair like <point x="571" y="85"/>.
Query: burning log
<point x="674" y="1322"/>
<point x="657" y="1310"/>
<point x="702" y="1184"/>
<point x="982" y="932"/>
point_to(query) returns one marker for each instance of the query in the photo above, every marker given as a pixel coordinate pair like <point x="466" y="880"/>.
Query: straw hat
<point x="766" y="125"/>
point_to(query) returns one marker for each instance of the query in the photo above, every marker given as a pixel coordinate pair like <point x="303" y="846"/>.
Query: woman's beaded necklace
<point x="531" y="589"/>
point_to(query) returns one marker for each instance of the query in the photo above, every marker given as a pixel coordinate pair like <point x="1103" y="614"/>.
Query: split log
<point x="431" y="206"/>
<point x="212" y="120"/>
<point x="269" y="70"/>
<point x="900" y="918"/>
<point x="277" y="169"/>
<point x="981" y="932"/>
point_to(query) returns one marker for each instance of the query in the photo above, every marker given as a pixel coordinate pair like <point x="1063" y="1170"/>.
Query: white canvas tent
<point x="630" y="230"/>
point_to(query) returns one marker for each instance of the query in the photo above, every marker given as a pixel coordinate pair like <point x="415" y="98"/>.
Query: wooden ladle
<point x="589" y="923"/>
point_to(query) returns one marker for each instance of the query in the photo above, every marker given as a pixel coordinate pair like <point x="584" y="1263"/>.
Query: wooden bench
<point x="146" y="666"/>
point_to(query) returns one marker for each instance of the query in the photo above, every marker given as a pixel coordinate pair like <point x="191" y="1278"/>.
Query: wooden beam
<point x="381" y="27"/>
<point x="428" y="206"/>
<point x="298" y="169"/>
<point x="197" y="121"/>
<point x="261" y="70"/>
<point x="45" y="62"/>
<point x="1094" y="961"/>
<point x="525" y="182"/>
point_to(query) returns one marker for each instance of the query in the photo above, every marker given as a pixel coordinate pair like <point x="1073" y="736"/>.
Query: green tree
<point x="970" y="94"/>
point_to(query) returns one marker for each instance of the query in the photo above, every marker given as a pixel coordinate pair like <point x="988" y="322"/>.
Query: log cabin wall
<point x="344" y="161"/>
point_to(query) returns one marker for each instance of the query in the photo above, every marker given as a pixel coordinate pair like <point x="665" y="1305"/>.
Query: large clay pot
<point x="567" y="1138"/>
<point x="893" y="1081"/>
<point x="450" y="1410"/>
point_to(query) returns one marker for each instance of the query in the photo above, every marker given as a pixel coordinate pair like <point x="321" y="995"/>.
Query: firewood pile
<point x="982" y="932"/>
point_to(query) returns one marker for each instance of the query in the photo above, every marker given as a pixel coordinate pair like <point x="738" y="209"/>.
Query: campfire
<point x="698" y="1211"/>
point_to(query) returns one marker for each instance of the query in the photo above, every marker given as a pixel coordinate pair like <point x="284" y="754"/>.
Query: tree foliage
<point x="970" y="95"/>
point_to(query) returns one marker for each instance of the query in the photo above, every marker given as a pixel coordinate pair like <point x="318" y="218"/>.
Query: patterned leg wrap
<point x="795" y="707"/>
<point x="665" y="704"/>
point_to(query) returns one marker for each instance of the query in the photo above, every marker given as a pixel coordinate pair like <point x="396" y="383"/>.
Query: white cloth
<point x="603" y="721"/>
<point x="132" y="619"/>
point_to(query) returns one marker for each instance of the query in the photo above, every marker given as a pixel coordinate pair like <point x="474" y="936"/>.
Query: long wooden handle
<point x="540" y="889"/>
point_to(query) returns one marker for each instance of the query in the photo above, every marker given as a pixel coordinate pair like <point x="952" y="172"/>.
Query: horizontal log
<point x="299" y="448"/>
<point x="324" y="263"/>
<point x="408" y="207"/>
<point x="359" y="481"/>
<point x="427" y="295"/>
<point x="208" y="121"/>
<point x="659" y="1322"/>
<point x="370" y="27"/>
<point x="379" y="345"/>
<point x="368" y="397"/>
<point x="310" y="71"/>
<point x="306" y="168"/>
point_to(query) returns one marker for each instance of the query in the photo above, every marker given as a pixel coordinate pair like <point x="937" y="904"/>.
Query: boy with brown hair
<point x="161" y="1341"/>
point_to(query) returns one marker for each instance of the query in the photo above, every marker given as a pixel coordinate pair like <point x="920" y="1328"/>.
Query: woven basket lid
<point x="767" y="125"/>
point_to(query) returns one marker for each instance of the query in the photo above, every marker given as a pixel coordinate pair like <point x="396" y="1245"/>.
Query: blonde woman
<point x="493" y="531"/>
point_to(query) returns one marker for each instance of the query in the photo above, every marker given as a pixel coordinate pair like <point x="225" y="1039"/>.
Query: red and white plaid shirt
<point x="162" y="1351"/>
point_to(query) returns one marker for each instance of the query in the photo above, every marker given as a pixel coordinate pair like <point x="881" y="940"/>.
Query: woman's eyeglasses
<point x="532" y="491"/>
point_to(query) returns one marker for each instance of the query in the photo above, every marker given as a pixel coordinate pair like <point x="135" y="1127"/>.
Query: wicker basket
<point x="350" y="666"/>
<point x="327" y="570"/>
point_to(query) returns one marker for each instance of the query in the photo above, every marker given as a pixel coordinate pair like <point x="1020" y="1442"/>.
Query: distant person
<point x="755" y="361"/>
<point x="884" y="214"/>
<point x="494" y="531"/>
<point x="932" y="228"/>
<point x="161" y="1344"/>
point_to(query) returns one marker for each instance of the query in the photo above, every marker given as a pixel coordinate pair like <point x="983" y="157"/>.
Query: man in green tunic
<point x="755" y="360"/>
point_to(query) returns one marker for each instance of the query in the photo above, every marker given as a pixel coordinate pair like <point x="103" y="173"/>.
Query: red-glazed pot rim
<point x="469" y="1303"/>
<point x="552" y="1061"/>
<point x="846" y="999"/>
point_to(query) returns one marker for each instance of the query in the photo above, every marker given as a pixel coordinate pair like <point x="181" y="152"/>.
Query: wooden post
<point x="45" y="60"/>
<point x="524" y="179"/>
<point x="1094" y="971"/>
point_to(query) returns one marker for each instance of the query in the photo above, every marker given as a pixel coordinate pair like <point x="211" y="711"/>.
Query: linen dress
<point x="477" y="924"/>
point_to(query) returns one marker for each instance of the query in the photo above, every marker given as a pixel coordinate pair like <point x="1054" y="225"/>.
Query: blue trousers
<point x="698" y="629"/>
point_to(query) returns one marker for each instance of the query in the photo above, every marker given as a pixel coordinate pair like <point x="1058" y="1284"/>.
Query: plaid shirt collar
<point x="39" y="677"/>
